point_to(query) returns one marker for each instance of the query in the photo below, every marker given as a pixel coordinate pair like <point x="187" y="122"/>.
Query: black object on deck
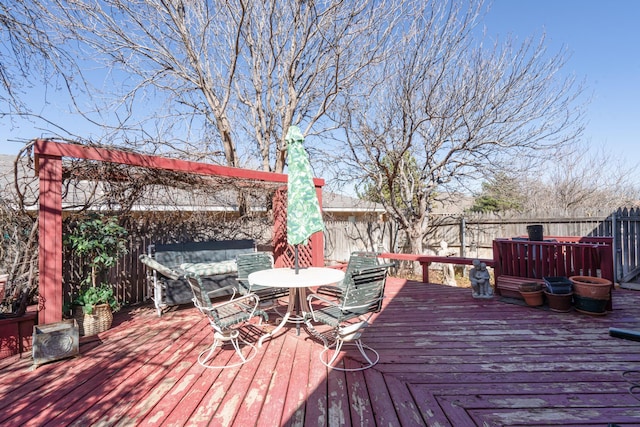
<point x="627" y="334"/>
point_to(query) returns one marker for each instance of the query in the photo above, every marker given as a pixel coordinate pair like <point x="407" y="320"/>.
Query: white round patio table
<point x="297" y="283"/>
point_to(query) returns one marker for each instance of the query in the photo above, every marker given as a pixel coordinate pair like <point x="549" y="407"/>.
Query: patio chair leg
<point x="235" y="342"/>
<point x="236" y="346"/>
<point x="362" y="348"/>
<point x="359" y="345"/>
<point x="203" y="361"/>
<point x="338" y="346"/>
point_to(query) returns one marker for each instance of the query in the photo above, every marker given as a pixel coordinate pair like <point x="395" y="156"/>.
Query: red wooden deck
<point x="446" y="360"/>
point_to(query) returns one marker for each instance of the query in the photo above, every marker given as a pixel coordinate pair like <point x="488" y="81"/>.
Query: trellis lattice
<point x="283" y="252"/>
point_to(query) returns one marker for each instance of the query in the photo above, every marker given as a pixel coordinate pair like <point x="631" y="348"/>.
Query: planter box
<point x="558" y="285"/>
<point x="15" y="334"/>
<point x="55" y="341"/>
<point x="509" y="286"/>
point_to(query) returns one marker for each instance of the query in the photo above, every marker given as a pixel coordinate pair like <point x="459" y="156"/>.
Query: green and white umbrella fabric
<point x="303" y="210"/>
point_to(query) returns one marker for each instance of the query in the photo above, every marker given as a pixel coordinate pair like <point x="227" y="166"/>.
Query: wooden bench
<point x="426" y="261"/>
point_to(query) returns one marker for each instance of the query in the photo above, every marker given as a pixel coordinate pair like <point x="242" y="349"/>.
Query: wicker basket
<point x="3" y="284"/>
<point x="94" y="323"/>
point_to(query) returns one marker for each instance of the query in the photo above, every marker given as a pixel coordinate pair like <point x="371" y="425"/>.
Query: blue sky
<point x="604" y="43"/>
<point x="603" y="40"/>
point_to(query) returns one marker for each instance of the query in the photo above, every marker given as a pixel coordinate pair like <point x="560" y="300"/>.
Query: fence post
<point x="616" y="253"/>
<point x="463" y="236"/>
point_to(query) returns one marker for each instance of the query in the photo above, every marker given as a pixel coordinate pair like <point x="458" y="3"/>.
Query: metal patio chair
<point x="357" y="260"/>
<point x="226" y="318"/>
<point x="348" y="315"/>
<point x="251" y="262"/>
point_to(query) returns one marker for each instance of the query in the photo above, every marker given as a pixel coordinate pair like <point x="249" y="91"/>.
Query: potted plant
<point x="91" y="297"/>
<point x="100" y="241"/>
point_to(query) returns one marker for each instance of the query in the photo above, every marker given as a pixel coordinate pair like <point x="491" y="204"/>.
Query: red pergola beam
<point x="60" y="149"/>
<point x="49" y="156"/>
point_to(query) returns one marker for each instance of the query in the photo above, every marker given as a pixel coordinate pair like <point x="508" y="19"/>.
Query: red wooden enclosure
<point x="556" y="256"/>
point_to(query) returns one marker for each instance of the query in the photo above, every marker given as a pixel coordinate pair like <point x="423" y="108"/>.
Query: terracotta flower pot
<point x="590" y="305"/>
<point x="559" y="302"/>
<point x="530" y="287"/>
<point x="533" y="298"/>
<point x="591" y="287"/>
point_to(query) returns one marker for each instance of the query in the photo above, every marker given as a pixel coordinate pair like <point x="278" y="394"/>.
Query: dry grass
<point x="436" y="276"/>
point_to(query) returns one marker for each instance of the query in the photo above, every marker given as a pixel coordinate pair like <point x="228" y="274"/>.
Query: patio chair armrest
<point x="323" y="299"/>
<point x="248" y="302"/>
<point x="355" y="307"/>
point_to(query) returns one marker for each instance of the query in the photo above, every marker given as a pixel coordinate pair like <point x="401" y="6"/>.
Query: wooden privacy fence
<point x="472" y="235"/>
<point x="341" y="238"/>
<point x="153" y="228"/>
<point x="626" y="242"/>
<point x="344" y="237"/>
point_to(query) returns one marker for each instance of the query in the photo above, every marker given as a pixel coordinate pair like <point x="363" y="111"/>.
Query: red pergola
<point x="49" y="156"/>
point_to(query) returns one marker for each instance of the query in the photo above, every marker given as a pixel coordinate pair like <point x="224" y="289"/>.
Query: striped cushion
<point x="210" y="268"/>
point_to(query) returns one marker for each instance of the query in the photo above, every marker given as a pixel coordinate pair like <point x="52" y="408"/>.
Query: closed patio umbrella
<point x="303" y="210"/>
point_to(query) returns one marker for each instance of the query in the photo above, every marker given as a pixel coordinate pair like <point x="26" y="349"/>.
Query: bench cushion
<point x="175" y="254"/>
<point x="210" y="268"/>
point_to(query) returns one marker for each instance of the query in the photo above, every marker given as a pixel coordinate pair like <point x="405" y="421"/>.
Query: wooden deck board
<point x="360" y="402"/>
<point x="254" y="401"/>
<point x="316" y="405"/>
<point x="381" y="404"/>
<point x="297" y="391"/>
<point x="445" y="359"/>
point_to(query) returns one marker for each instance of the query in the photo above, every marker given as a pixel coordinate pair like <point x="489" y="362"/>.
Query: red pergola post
<point x="50" y="238"/>
<point x="317" y="239"/>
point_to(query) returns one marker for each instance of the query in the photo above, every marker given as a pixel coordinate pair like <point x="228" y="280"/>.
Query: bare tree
<point x="591" y="180"/>
<point x="449" y="110"/>
<point x="29" y="58"/>
<point x="19" y="231"/>
<point x="213" y="80"/>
